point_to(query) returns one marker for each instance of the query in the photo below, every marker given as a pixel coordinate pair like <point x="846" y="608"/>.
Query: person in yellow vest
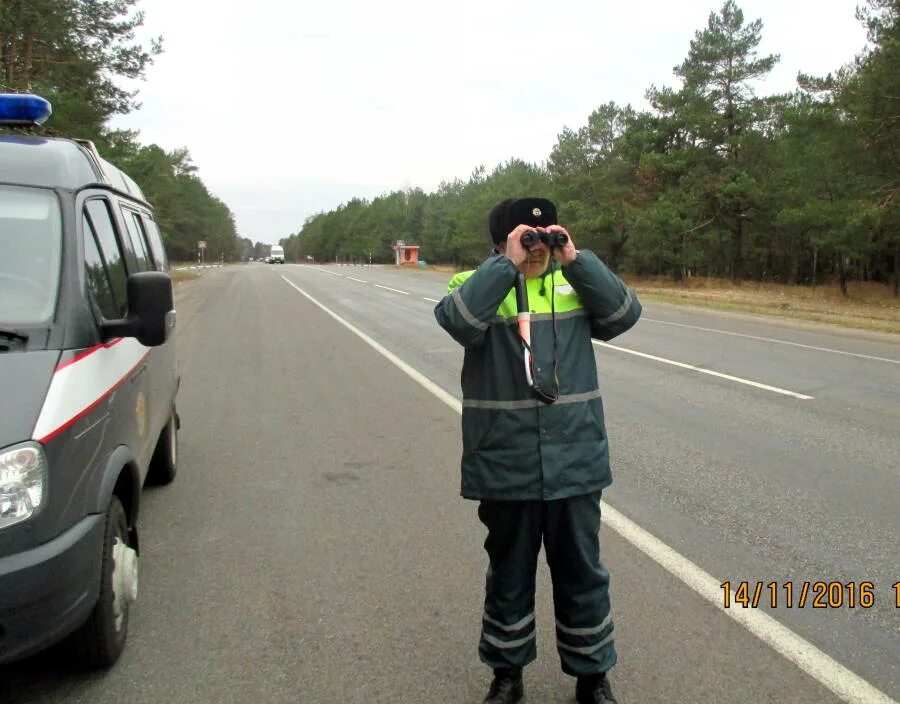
<point x="535" y="451"/>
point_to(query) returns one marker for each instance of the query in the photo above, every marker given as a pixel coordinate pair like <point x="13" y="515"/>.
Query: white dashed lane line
<point x="771" y="339"/>
<point x="710" y="372"/>
<point x="388" y="288"/>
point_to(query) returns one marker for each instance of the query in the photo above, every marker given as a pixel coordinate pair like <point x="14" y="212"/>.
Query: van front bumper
<point x="47" y="592"/>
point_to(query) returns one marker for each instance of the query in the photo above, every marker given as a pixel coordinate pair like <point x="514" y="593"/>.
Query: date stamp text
<point x="790" y="595"/>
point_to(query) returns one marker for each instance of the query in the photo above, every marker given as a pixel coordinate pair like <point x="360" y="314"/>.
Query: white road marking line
<point x="405" y="293"/>
<point x="692" y="368"/>
<point x="771" y="339"/>
<point x="433" y="300"/>
<point x="823" y="668"/>
<point x="325" y="271"/>
<point x="355" y="279"/>
<point x="418" y="376"/>
<point x="843" y="682"/>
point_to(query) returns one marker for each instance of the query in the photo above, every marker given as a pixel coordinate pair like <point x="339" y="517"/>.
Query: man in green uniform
<point x="534" y="442"/>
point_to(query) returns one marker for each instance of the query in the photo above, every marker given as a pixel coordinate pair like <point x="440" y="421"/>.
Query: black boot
<point x="507" y="687"/>
<point x="594" y="689"/>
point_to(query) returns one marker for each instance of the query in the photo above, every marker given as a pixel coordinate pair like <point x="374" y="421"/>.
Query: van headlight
<point x="23" y="474"/>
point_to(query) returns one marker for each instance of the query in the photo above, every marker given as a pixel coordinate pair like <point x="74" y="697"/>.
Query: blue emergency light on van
<point x="23" y="109"/>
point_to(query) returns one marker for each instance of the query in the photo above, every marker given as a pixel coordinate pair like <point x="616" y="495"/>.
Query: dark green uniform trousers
<point x="569" y="529"/>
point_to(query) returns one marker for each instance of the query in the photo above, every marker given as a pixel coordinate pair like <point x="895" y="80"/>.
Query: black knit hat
<point x="510" y="213"/>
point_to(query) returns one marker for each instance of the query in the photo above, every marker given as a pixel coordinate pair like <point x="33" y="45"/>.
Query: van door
<point x="162" y="365"/>
<point x="166" y="355"/>
<point x="109" y="260"/>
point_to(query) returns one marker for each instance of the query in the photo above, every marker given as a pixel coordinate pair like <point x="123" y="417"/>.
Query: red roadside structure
<point x="405" y="253"/>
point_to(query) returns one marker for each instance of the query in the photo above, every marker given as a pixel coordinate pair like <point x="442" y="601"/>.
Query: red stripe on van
<point x="81" y="414"/>
<point x="81" y="355"/>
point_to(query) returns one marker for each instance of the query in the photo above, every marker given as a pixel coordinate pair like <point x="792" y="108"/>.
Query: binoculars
<point x="551" y="239"/>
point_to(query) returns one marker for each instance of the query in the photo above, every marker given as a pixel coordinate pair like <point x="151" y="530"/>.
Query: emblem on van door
<point x="140" y="412"/>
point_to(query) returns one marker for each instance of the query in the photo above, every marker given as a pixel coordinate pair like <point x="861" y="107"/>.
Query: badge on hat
<point x="536" y="212"/>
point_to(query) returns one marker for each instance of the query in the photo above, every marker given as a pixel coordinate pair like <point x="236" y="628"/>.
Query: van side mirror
<point x="151" y="314"/>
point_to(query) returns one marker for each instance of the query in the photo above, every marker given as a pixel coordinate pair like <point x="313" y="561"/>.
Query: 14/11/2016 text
<point x="819" y="594"/>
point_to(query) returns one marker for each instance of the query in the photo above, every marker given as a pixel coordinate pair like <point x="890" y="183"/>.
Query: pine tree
<point x="713" y="118"/>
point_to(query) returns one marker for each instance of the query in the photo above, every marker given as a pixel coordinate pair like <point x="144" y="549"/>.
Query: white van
<point x="276" y="254"/>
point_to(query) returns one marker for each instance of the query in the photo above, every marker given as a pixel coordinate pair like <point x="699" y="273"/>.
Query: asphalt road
<point x="314" y="547"/>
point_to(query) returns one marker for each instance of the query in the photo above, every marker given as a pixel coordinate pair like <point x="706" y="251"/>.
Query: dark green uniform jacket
<point x="515" y="447"/>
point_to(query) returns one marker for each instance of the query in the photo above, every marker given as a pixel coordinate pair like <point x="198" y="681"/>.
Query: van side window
<point x="136" y="237"/>
<point x="156" y="244"/>
<point x="98" y="276"/>
<point x="99" y="225"/>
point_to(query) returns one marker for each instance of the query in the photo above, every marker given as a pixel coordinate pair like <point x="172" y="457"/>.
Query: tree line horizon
<point x="711" y="181"/>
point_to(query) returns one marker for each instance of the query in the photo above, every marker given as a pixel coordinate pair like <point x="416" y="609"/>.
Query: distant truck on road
<point x="276" y="254"/>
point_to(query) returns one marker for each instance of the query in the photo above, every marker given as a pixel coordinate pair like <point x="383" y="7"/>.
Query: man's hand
<point x="567" y="253"/>
<point x="515" y="250"/>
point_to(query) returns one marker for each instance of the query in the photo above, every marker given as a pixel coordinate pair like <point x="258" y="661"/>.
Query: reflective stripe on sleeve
<point x="464" y="311"/>
<point x="623" y="309"/>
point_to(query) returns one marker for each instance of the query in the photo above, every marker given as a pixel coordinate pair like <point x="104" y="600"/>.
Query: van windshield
<point x="30" y="243"/>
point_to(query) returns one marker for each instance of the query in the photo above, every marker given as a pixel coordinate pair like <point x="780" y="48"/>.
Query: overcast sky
<point x="291" y="108"/>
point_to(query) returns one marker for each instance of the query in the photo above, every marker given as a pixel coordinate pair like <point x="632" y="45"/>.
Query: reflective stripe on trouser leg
<point x="584" y="624"/>
<point x="512" y="545"/>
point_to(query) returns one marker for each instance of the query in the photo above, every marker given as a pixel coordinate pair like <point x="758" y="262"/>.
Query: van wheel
<point x="164" y="464"/>
<point x="100" y="641"/>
